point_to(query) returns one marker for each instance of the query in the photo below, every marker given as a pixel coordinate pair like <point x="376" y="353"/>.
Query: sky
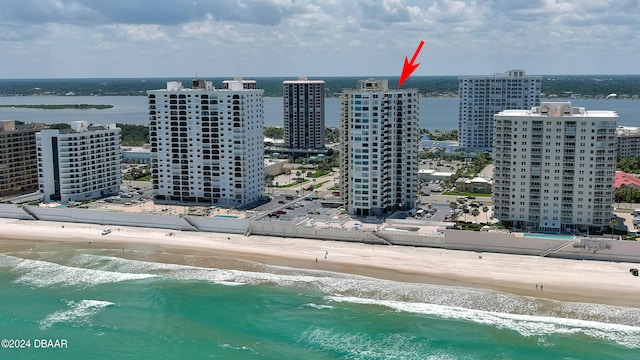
<point x="314" y="38"/>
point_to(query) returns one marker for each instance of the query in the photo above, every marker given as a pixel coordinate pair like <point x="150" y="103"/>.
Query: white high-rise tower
<point x="207" y="143"/>
<point x="483" y="96"/>
<point x="379" y="150"/>
<point x="554" y="167"/>
<point x="80" y="163"/>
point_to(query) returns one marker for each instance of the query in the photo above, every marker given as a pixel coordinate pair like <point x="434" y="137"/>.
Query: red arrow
<point x="409" y="67"/>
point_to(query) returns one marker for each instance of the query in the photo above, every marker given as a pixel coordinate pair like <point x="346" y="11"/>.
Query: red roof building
<point x="623" y="178"/>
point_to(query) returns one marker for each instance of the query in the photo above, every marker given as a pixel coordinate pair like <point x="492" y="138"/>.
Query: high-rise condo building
<point x="18" y="157"/>
<point x="303" y="102"/>
<point x="483" y="96"/>
<point x="378" y="148"/>
<point x="80" y="163"/>
<point x="554" y="168"/>
<point x="207" y="143"/>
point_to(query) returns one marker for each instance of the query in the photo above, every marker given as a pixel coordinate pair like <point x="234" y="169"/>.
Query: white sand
<point x="569" y="280"/>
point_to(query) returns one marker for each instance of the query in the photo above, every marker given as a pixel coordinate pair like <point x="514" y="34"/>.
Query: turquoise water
<point x="550" y="236"/>
<point x="226" y="216"/>
<point x="107" y="306"/>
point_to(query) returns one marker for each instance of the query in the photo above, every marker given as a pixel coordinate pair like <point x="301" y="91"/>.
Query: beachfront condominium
<point x="483" y="96"/>
<point x="18" y="157"/>
<point x="80" y="163"/>
<point x="628" y="141"/>
<point x="207" y="143"/>
<point x="303" y="102"/>
<point x="378" y="148"/>
<point x="554" y="168"/>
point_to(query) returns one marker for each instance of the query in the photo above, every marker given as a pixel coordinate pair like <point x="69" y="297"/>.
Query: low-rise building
<point x="628" y="139"/>
<point x="476" y="185"/>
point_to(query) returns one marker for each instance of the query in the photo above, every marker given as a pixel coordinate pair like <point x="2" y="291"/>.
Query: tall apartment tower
<point x="18" y="157"/>
<point x="303" y="102"/>
<point x="378" y="148"/>
<point x="207" y="143"/>
<point x="554" y="168"/>
<point x="483" y="96"/>
<point x="81" y="163"/>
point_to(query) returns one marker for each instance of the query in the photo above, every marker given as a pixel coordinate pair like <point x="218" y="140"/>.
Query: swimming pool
<point x="550" y="236"/>
<point x="226" y="216"/>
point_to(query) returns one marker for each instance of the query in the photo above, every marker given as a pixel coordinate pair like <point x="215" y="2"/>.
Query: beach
<point x="560" y="279"/>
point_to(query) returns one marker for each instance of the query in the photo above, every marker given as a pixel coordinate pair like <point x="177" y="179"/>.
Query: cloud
<point x="271" y="37"/>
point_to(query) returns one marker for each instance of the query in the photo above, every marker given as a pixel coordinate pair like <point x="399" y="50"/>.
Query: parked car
<point x="280" y="212"/>
<point x="106" y="231"/>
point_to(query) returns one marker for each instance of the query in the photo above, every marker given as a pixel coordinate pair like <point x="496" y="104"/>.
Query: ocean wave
<point x="41" y="273"/>
<point x="78" y="313"/>
<point x="319" y="307"/>
<point x="355" y="286"/>
<point x="89" y="269"/>
<point x="526" y="325"/>
<point x="364" y="346"/>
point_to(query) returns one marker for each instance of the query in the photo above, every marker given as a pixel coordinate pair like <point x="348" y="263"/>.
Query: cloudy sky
<point x="165" y="38"/>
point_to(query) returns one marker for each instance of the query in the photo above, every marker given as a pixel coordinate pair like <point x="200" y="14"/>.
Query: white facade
<point x="628" y="141"/>
<point x="483" y="96"/>
<point x="303" y="102"/>
<point x="207" y="143"/>
<point x="554" y="167"/>
<point x="379" y="148"/>
<point x="82" y="163"/>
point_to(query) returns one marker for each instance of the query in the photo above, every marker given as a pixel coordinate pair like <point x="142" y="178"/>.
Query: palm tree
<point x="485" y="210"/>
<point x="613" y="224"/>
<point x="475" y="212"/>
<point x="465" y="210"/>
<point x="454" y="205"/>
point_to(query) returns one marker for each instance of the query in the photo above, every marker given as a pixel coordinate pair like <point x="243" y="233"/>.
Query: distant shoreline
<point x="61" y="106"/>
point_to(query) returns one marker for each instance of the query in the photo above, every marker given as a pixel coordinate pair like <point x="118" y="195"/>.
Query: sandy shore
<point x="567" y="280"/>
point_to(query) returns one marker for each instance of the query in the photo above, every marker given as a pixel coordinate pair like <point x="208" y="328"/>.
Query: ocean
<point x="435" y="113"/>
<point x="109" y="304"/>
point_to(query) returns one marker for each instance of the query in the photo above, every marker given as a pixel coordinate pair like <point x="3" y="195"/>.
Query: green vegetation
<point x="296" y="182"/>
<point x="60" y="106"/>
<point x="139" y="173"/>
<point x="320" y="184"/>
<point x="562" y="85"/>
<point x="134" y="135"/>
<point x="319" y="173"/>
<point x="627" y="194"/>
<point x="629" y="164"/>
<point x="331" y="135"/>
<point x="274" y="132"/>
<point x="438" y="135"/>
